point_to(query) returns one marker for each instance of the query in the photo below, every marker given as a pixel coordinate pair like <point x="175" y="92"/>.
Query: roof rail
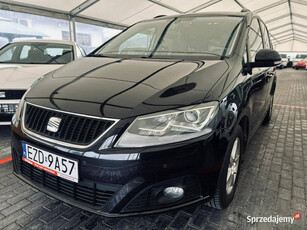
<point x="159" y="16"/>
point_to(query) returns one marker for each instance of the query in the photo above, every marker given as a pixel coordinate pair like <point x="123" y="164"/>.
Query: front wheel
<point x="228" y="179"/>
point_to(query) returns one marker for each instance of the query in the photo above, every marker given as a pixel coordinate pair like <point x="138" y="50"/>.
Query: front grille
<point x="90" y="195"/>
<point x="13" y="94"/>
<point x="73" y="129"/>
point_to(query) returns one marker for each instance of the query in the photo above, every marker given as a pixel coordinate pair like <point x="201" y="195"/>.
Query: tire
<point x="224" y="193"/>
<point x="268" y="115"/>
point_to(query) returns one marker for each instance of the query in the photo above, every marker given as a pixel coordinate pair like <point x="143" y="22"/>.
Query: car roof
<point x="45" y="41"/>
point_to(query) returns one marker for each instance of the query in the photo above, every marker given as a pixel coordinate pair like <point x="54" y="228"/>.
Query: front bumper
<point x="7" y="110"/>
<point x="129" y="183"/>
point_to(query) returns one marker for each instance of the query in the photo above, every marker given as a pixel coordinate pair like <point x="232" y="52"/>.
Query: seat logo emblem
<point x="54" y="124"/>
<point x="2" y="94"/>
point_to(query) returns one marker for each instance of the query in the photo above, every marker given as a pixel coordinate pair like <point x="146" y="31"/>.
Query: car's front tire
<point x="229" y="176"/>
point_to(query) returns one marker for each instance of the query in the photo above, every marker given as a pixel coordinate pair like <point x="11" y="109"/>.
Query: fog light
<point x="173" y="192"/>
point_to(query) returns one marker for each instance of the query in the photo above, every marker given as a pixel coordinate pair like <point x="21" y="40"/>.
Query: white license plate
<point x="51" y="163"/>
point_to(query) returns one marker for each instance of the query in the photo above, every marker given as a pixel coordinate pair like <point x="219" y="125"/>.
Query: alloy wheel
<point x="233" y="166"/>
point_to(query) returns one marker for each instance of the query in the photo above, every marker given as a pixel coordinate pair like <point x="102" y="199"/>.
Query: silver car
<point x="23" y="62"/>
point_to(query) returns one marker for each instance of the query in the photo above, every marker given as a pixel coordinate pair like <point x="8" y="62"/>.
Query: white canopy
<point x="285" y="19"/>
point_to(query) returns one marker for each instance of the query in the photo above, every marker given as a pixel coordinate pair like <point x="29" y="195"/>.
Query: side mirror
<point x="266" y="58"/>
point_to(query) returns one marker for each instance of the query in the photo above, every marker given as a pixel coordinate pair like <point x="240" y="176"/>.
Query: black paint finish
<point x="127" y="88"/>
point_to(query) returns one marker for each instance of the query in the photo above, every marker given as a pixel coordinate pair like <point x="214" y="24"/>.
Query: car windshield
<point x="36" y="53"/>
<point x="183" y="37"/>
<point x="283" y="55"/>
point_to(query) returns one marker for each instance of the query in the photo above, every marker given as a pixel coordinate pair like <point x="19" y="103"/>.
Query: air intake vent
<point x="92" y="194"/>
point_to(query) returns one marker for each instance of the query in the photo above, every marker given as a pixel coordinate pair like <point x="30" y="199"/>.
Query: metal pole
<point x="74" y="29"/>
<point x="70" y="29"/>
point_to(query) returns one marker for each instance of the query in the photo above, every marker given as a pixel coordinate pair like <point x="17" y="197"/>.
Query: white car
<point x="23" y="62"/>
<point x="284" y="60"/>
<point x="298" y="57"/>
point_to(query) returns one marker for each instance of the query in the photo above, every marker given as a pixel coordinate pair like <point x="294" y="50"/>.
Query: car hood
<point x="122" y="88"/>
<point x="21" y="76"/>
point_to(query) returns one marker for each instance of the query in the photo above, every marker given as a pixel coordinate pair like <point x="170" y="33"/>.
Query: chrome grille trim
<point x="40" y="137"/>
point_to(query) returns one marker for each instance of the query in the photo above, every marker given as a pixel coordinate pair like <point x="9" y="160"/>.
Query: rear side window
<point x="266" y="38"/>
<point x="255" y="39"/>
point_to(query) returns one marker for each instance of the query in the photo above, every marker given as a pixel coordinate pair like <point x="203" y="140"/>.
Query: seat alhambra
<point x="155" y="119"/>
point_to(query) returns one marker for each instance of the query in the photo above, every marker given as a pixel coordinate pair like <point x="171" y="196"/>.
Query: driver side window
<point x="254" y="39"/>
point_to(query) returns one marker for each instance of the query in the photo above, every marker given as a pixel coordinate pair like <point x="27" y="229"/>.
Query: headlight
<point x="170" y="126"/>
<point x="17" y="115"/>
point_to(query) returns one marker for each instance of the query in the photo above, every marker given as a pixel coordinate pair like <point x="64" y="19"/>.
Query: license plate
<point x="8" y="108"/>
<point x="51" y="163"/>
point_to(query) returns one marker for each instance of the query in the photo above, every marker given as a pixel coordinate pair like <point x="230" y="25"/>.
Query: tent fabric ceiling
<point x="285" y="19"/>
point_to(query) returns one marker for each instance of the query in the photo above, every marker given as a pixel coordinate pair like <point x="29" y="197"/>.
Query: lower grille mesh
<point x="149" y="198"/>
<point x="89" y="195"/>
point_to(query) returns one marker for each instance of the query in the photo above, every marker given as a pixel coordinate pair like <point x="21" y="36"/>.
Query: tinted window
<point x="255" y="40"/>
<point x="36" y="53"/>
<point x="186" y="37"/>
<point x="25" y="52"/>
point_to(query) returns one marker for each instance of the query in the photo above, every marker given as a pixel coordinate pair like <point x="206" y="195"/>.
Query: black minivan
<point x="154" y="119"/>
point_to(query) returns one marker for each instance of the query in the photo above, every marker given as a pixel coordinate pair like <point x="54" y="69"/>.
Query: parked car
<point x="301" y="64"/>
<point x="3" y="41"/>
<point x="155" y="119"/>
<point x="285" y="61"/>
<point x="23" y="62"/>
<point x="298" y="57"/>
